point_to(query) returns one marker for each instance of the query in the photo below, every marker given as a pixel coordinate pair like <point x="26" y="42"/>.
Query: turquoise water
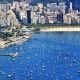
<point x="46" y="56"/>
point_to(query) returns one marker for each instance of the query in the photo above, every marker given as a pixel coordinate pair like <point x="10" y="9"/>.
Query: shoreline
<point x="18" y="41"/>
<point x="61" y="29"/>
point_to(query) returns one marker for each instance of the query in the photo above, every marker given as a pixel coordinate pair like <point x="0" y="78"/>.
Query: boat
<point x="11" y="54"/>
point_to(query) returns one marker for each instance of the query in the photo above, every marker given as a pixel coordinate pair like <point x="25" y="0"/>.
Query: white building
<point x="67" y="18"/>
<point x="48" y="6"/>
<point x="35" y="8"/>
<point x="50" y="19"/>
<point x="8" y="21"/>
<point x="21" y="4"/>
<point x="40" y="7"/>
<point x="78" y="19"/>
<point x="23" y="14"/>
<point x="53" y="6"/>
<point x="0" y="7"/>
<point x="15" y="5"/>
<point x="62" y="7"/>
<point x="34" y="20"/>
<point x="42" y="20"/>
<point x="71" y="6"/>
<point x="2" y="21"/>
<point x="3" y="8"/>
<point x="8" y="6"/>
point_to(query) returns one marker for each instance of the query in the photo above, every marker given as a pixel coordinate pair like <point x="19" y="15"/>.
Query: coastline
<point x="61" y="29"/>
<point x="16" y="40"/>
<point x="20" y="39"/>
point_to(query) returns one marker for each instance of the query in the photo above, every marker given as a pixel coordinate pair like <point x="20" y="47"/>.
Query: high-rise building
<point x="8" y="6"/>
<point x="60" y="17"/>
<point x="50" y="19"/>
<point x="16" y="5"/>
<point x="48" y="5"/>
<point x="62" y="7"/>
<point x="67" y="18"/>
<point x="3" y="8"/>
<point x="23" y="17"/>
<point x="0" y="7"/>
<point x="7" y="21"/>
<point x="78" y="19"/>
<point x="28" y="16"/>
<point x="42" y="20"/>
<point x="54" y="7"/>
<point x="40" y="7"/>
<point x="71" y="6"/>
<point x="34" y="17"/>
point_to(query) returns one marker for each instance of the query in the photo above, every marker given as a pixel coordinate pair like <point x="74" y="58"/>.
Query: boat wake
<point x="11" y="54"/>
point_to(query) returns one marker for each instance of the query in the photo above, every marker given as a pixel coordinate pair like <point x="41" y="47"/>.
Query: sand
<point x="60" y="29"/>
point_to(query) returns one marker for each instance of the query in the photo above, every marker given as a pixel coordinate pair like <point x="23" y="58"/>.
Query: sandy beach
<point x="60" y="29"/>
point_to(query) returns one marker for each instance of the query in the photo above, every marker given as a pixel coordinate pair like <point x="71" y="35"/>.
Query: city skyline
<point x="33" y="2"/>
<point x="24" y="13"/>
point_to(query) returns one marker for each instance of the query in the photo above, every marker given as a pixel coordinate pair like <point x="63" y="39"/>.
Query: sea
<point x="46" y="56"/>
